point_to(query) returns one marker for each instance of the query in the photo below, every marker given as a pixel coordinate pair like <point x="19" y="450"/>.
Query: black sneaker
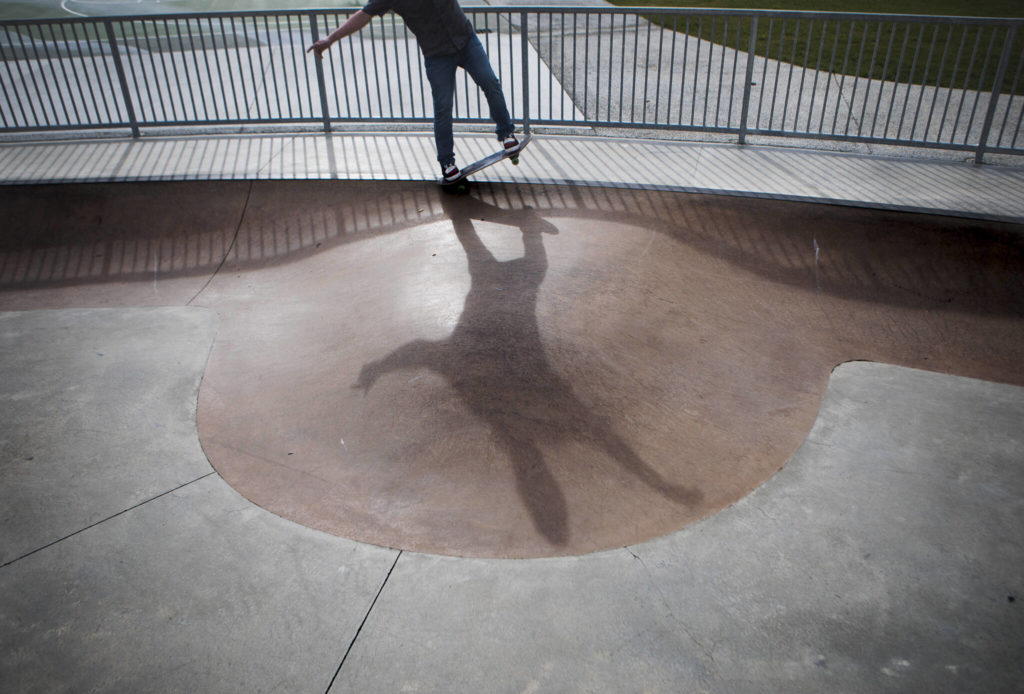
<point x="510" y="142"/>
<point x="450" y="172"/>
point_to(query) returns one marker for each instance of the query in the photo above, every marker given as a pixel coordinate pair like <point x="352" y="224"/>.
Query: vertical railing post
<point x="525" y="41"/>
<point x="320" y="77"/>
<point x="748" y="76"/>
<point x="122" y="78"/>
<point x="993" y="100"/>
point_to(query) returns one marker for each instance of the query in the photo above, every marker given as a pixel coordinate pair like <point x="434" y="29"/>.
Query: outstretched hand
<point x="367" y="377"/>
<point x="536" y="224"/>
<point x="319" y="47"/>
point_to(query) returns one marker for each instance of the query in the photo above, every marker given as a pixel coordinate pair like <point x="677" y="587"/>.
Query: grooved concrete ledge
<point x="915" y="184"/>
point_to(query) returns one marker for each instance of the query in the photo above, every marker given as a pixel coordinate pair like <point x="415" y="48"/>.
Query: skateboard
<point x="460" y="183"/>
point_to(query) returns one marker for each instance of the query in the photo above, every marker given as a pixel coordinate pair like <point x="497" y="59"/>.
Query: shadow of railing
<point x="100" y="233"/>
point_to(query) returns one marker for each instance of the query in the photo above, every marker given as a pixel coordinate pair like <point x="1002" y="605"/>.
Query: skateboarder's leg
<point x="441" y="74"/>
<point x="475" y="62"/>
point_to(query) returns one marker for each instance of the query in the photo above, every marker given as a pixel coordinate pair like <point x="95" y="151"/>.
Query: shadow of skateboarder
<point x="494" y="360"/>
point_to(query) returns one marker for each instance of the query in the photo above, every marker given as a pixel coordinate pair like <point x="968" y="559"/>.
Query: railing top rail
<point x="545" y="9"/>
<point x="720" y="11"/>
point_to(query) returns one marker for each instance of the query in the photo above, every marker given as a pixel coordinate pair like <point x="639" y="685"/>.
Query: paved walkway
<point x="885" y="556"/>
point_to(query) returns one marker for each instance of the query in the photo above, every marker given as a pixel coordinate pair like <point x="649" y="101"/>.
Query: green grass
<point x="955" y="8"/>
<point x="901" y="51"/>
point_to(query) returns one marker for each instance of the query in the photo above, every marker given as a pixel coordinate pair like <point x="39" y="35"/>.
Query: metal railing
<point x="941" y="82"/>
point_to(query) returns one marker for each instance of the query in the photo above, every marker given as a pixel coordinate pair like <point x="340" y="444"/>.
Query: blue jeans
<point x="441" y="74"/>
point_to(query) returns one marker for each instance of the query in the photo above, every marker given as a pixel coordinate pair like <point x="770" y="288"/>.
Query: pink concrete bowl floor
<point x="526" y="370"/>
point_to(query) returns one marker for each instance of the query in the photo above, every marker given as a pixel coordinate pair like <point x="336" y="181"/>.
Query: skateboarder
<point x="447" y="41"/>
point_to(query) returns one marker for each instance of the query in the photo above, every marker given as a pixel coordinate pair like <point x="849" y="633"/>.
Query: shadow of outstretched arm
<point x="412" y="355"/>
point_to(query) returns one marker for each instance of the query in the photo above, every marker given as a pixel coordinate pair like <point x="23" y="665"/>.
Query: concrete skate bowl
<point x="534" y="371"/>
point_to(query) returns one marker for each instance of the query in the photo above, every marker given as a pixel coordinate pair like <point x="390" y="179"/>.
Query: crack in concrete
<point x="709" y="652"/>
<point x="231" y="246"/>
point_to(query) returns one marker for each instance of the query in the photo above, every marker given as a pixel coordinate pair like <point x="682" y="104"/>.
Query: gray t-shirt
<point x="440" y="26"/>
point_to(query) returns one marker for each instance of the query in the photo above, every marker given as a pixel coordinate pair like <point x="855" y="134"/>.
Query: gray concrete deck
<point x="945" y="185"/>
<point x="887" y="555"/>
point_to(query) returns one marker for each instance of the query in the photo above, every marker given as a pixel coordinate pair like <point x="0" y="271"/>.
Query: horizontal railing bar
<point x="868" y="140"/>
<point x="544" y="10"/>
<point x="774" y="133"/>
<point x="247" y="121"/>
<point x="70" y="128"/>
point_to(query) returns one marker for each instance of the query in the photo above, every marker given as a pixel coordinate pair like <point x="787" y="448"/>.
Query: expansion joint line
<point x="108" y="518"/>
<point x="363" y="623"/>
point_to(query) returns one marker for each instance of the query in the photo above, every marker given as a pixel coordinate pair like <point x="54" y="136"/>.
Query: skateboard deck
<point x="476" y="166"/>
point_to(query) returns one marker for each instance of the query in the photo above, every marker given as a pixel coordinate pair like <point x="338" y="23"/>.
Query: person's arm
<point x="351" y="26"/>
